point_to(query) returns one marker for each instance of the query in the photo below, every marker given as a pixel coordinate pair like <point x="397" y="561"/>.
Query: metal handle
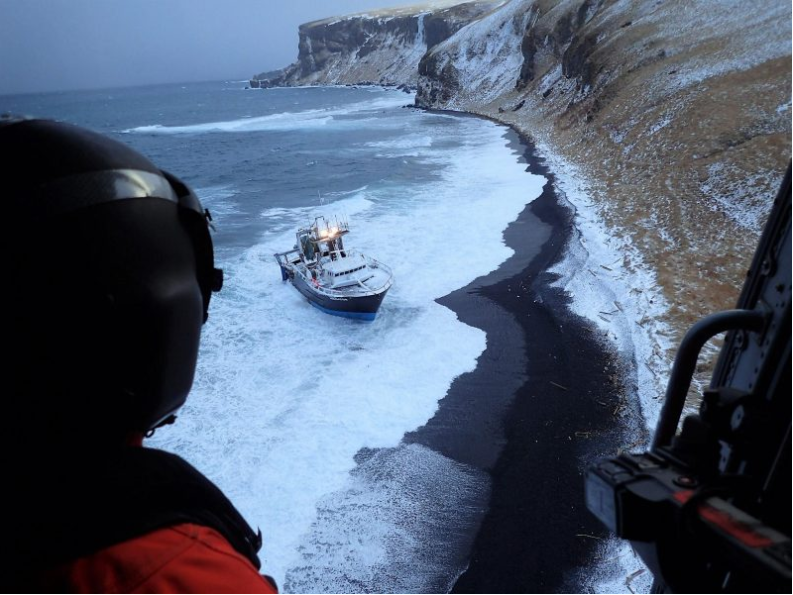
<point x="686" y="362"/>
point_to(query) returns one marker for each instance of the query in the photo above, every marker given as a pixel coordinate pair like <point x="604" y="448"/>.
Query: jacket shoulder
<point x="184" y="558"/>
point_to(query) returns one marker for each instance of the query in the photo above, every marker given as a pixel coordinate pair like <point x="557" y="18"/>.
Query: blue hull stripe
<point x="367" y="316"/>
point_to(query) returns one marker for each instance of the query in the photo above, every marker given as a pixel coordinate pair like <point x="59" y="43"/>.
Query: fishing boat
<point x="333" y="278"/>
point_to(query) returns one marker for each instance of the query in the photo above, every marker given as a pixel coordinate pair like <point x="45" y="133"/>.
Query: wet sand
<point x="538" y="407"/>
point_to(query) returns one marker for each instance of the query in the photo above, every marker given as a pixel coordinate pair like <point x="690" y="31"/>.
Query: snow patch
<point x="738" y="197"/>
<point x="742" y="34"/>
<point x="665" y="121"/>
<point x="609" y="284"/>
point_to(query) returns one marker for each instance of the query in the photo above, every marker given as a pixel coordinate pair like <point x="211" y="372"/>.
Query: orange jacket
<point x="184" y="558"/>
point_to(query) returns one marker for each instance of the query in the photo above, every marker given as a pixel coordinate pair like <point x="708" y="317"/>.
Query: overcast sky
<point x="51" y="45"/>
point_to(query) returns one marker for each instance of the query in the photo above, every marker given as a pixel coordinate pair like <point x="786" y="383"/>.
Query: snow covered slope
<point x="676" y="114"/>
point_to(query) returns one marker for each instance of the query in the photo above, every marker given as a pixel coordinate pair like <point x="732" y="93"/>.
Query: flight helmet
<point x="108" y="273"/>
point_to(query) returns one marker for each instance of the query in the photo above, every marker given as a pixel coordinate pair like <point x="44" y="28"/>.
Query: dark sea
<point x="291" y="406"/>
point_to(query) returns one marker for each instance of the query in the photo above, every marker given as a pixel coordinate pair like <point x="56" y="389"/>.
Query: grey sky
<point x="48" y="45"/>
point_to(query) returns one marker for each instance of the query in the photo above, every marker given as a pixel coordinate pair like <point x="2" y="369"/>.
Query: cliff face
<point x="383" y="48"/>
<point x="478" y="62"/>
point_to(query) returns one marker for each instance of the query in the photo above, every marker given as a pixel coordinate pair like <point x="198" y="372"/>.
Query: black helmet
<point x="108" y="272"/>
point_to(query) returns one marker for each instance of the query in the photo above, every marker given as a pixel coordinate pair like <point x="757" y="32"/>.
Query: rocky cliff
<point x="375" y="48"/>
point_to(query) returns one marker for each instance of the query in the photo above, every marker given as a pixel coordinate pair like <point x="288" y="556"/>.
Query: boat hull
<point x="359" y="307"/>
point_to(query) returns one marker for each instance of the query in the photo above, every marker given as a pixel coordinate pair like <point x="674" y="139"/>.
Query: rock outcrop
<point x="383" y="48"/>
<point x="475" y="64"/>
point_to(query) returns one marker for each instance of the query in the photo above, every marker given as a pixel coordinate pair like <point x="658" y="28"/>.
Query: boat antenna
<point x="321" y="200"/>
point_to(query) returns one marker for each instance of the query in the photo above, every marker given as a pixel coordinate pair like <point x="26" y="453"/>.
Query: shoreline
<point x="536" y="409"/>
<point x="554" y="384"/>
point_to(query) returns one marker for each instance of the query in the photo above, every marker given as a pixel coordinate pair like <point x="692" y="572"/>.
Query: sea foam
<point x="285" y="396"/>
<point x="305" y="119"/>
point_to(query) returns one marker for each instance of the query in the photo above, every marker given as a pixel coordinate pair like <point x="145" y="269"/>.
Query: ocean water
<point x="297" y="415"/>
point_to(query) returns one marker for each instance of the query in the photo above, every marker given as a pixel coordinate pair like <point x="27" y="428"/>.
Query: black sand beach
<point x="539" y="405"/>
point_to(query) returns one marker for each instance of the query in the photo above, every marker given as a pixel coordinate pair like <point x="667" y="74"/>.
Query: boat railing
<point x="376" y="264"/>
<point x="330" y="292"/>
<point x="283" y="257"/>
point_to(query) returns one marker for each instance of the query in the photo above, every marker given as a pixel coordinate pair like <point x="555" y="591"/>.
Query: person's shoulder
<point x="185" y="558"/>
<point x="213" y="565"/>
